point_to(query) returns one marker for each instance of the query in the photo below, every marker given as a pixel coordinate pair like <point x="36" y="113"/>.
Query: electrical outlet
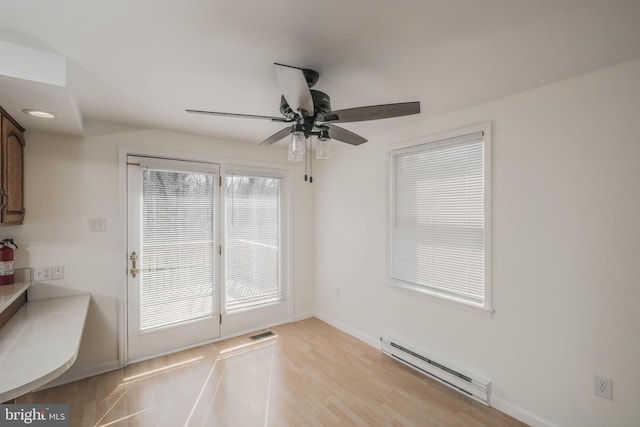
<point x="57" y="272"/>
<point x="97" y="225"/>
<point x="41" y="273"/>
<point x="602" y="387"/>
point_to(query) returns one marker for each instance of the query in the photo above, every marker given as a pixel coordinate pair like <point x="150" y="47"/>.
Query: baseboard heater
<point x="475" y="388"/>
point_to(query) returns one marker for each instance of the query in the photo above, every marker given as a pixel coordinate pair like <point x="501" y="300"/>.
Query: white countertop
<point x="9" y="293"/>
<point x="40" y="342"/>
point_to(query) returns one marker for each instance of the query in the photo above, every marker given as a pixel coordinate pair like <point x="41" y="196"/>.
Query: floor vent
<point x="262" y="335"/>
<point x="469" y="385"/>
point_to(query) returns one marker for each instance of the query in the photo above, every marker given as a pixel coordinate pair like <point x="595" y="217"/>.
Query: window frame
<point x="231" y="169"/>
<point x="182" y="166"/>
<point x="430" y="294"/>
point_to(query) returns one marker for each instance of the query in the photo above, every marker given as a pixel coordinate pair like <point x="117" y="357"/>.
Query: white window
<point x="439" y="227"/>
<point x="177" y="247"/>
<point x="252" y="240"/>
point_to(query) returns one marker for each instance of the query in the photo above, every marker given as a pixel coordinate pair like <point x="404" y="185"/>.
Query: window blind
<point x="177" y="266"/>
<point x="252" y="241"/>
<point x="438" y="218"/>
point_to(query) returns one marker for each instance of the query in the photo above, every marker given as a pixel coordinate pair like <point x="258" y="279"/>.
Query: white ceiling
<point x="142" y="62"/>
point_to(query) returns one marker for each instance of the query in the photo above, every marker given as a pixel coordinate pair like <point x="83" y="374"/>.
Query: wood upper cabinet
<point x="11" y="171"/>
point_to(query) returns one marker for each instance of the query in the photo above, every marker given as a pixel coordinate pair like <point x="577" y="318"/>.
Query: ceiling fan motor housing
<point x="321" y="105"/>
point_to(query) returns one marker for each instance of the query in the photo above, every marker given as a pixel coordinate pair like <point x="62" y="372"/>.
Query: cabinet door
<point x="12" y="172"/>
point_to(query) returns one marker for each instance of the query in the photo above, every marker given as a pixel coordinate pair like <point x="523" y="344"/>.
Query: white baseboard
<point x="373" y="342"/>
<point x="303" y="316"/>
<point x="519" y="413"/>
<point x="71" y="375"/>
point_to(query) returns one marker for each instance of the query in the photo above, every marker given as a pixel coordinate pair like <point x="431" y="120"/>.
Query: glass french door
<point x="173" y="246"/>
<point x="254" y="291"/>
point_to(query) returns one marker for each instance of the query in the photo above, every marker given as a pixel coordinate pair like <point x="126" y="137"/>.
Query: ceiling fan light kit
<point x="323" y="149"/>
<point x="310" y="112"/>
<point x="298" y="144"/>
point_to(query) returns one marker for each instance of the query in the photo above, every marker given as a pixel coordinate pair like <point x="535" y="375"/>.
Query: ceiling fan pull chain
<point x="306" y="177"/>
<point x="310" y="162"/>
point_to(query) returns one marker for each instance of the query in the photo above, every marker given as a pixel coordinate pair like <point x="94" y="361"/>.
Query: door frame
<point x="223" y="161"/>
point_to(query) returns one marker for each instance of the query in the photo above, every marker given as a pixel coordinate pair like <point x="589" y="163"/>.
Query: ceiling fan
<point x="309" y="112"/>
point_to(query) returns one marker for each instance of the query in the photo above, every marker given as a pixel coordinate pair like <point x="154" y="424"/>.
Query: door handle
<point x="134" y="270"/>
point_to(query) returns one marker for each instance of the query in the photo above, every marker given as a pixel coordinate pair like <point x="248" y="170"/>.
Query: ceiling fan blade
<point x="294" y="88"/>
<point x="344" y="135"/>
<point x="372" y="112"/>
<point x="277" y="136"/>
<point x="245" y="116"/>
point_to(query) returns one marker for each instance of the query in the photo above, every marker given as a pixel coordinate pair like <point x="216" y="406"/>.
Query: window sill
<point x="452" y="302"/>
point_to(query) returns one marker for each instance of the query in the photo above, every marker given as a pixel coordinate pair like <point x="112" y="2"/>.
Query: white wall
<point x="69" y="180"/>
<point x="566" y="251"/>
<point x="566" y="244"/>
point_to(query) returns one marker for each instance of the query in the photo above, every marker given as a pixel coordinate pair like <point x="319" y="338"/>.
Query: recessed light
<point x="39" y="113"/>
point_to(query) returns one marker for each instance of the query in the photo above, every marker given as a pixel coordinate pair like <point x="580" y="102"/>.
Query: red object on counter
<point x="6" y="262"/>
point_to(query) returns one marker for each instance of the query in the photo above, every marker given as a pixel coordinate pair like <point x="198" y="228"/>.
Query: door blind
<point x="178" y="237"/>
<point x="252" y="241"/>
<point x="438" y="217"/>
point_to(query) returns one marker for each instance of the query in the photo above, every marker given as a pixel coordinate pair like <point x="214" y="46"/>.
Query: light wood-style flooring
<point x="309" y="374"/>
